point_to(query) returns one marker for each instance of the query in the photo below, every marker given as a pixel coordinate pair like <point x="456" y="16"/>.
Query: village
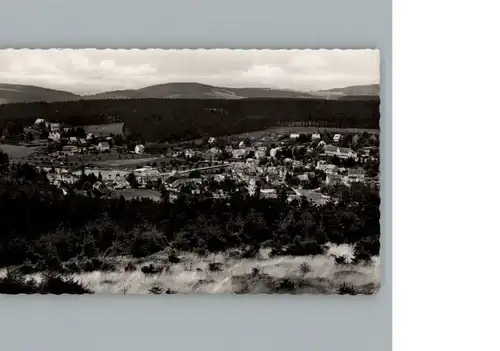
<point x="305" y="164"/>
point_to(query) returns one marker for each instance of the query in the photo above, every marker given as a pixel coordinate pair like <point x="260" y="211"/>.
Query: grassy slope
<point x="192" y="275"/>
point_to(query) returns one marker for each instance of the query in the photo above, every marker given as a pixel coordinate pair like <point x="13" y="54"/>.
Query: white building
<point x="333" y="179"/>
<point x="340" y="152"/>
<point x="103" y="146"/>
<point x="189" y="153"/>
<point x="55" y="127"/>
<point x="145" y="174"/>
<point x="239" y="153"/>
<point x="39" y="121"/>
<point x="139" y="149"/>
<point x="315" y="136"/>
<point x="274" y="151"/>
<point x="260" y="154"/>
<point x="326" y="167"/>
<point x="55" y="136"/>
<point x="337" y="137"/>
<point x="211" y="140"/>
<point x="294" y="136"/>
<point x="355" y="175"/>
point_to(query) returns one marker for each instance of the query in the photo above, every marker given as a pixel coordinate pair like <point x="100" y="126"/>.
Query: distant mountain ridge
<point x="12" y="93"/>
<point x="31" y="93"/>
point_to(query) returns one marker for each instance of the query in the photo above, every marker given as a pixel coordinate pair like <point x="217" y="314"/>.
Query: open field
<point x="129" y="194"/>
<point x="104" y="129"/>
<point x="256" y="276"/>
<point x="127" y="163"/>
<point x="17" y="151"/>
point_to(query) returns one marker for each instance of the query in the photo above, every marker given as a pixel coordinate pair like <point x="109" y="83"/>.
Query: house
<point x="303" y="177"/>
<point x="215" y="150"/>
<point x="297" y="163"/>
<point x="239" y="153"/>
<point x="260" y="154"/>
<point x="325" y="167"/>
<point x="89" y="136"/>
<point x="355" y="175"/>
<point x="55" y="136"/>
<point x="294" y="136"/>
<point x="241" y="144"/>
<point x="39" y="123"/>
<point x="103" y="146"/>
<point x="268" y="193"/>
<point x="82" y="141"/>
<point x="211" y="140"/>
<point x="252" y="162"/>
<point x="273" y="152"/>
<point x="69" y="149"/>
<point x="315" y="136"/>
<point x="322" y="143"/>
<point x="219" y="177"/>
<point x="340" y="152"/>
<point x="139" y="149"/>
<point x="100" y="186"/>
<point x="54" y="127"/>
<point x="228" y="148"/>
<point x="188" y="153"/>
<point x="73" y="140"/>
<point x="333" y="179"/>
<point x="146" y="174"/>
<point x="337" y="137"/>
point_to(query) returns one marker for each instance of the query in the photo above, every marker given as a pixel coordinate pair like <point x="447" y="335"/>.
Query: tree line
<point x="182" y="119"/>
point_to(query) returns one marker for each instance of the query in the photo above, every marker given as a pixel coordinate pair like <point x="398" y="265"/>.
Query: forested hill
<point x="12" y="93"/>
<point x="181" y="119"/>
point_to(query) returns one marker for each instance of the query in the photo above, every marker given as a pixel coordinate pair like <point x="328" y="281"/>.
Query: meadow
<point x="104" y="129"/>
<point x="221" y="273"/>
<point x="17" y="151"/>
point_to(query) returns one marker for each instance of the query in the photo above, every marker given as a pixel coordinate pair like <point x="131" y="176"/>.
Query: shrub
<point x="284" y="285"/>
<point x="368" y="246"/>
<point x="255" y="271"/>
<point x="304" y="268"/>
<point x="97" y="264"/>
<point x="15" y="283"/>
<point x="151" y="269"/>
<point x="155" y="290"/>
<point x="346" y="289"/>
<point x="250" y="252"/>
<point x="340" y="259"/>
<point x="300" y="248"/>
<point x="173" y="258"/>
<point x="130" y="267"/>
<point x="215" y="266"/>
<point x="54" y="284"/>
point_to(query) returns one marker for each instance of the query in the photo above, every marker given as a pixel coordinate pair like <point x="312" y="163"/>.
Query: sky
<point x="89" y="71"/>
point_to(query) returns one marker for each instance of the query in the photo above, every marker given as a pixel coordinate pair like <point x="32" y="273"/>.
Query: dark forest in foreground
<point x="164" y="120"/>
<point x="44" y="230"/>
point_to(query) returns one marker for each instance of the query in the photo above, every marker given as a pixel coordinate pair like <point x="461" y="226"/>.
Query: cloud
<point x="92" y="70"/>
